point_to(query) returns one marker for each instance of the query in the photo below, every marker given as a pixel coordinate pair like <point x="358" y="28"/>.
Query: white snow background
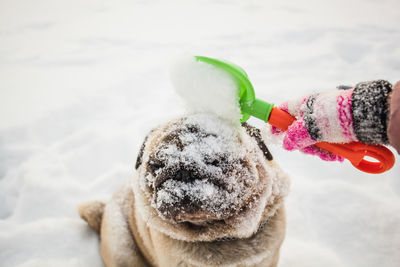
<point x="81" y="83"/>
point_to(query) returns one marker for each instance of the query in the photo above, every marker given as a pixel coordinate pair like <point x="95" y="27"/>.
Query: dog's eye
<point x="155" y="164"/>
<point x="216" y="160"/>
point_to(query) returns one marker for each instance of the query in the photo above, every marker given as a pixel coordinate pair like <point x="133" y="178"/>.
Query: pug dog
<point x="205" y="192"/>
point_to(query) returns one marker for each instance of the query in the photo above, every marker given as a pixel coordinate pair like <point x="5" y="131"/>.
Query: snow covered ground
<point x="81" y="82"/>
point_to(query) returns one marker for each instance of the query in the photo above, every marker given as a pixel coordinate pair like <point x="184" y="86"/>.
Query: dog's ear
<point x="256" y="134"/>
<point x="141" y="150"/>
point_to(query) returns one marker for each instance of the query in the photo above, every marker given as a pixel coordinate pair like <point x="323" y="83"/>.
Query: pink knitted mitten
<point x="338" y="116"/>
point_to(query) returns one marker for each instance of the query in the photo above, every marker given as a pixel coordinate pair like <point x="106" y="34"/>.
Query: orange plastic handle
<point x="355" y="152"/>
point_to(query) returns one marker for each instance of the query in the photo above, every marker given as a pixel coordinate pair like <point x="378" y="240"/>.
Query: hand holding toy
<point x="338" y="116"/>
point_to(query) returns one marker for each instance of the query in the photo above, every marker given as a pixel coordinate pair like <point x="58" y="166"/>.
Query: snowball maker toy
<point x="357" y="153"/>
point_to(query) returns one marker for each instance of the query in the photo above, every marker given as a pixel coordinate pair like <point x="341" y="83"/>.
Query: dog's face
<point x="200" y="172"/>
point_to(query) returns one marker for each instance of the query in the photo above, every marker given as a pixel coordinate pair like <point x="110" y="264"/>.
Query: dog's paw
<point x="92" y="213"/>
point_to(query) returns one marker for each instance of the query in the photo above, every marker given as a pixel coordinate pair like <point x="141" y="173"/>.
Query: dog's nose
<point x="183" y="174"/>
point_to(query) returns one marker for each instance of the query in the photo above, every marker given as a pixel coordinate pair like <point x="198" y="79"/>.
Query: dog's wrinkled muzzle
<point x="183" y="174"/>
<point x="198" y="172"/>
<point x="188" y="195"/>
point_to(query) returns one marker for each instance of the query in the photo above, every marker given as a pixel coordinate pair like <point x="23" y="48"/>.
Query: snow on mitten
<point x="338" y="116"/>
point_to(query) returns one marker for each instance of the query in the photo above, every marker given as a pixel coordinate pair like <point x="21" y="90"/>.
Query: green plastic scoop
<point x="249" y="105"/>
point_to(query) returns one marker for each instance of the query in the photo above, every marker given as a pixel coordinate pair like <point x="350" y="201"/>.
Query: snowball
<point x="206" y="88"/>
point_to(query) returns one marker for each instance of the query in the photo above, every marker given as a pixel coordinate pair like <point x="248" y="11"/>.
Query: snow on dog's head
<point x="200" y="178"/>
